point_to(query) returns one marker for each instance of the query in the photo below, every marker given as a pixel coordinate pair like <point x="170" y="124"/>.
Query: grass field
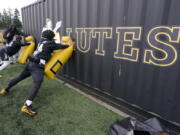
<point x="61" y="110"/>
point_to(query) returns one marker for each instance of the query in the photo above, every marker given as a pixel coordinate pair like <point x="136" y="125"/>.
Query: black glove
<point x="27" y="43"/>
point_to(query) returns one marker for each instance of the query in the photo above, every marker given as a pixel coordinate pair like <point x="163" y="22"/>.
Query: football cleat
<point x="28" y="110"/>
<point x="4" y="92"/>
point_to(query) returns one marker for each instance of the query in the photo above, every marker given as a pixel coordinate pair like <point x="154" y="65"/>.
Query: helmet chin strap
<point x="44" y="38"/>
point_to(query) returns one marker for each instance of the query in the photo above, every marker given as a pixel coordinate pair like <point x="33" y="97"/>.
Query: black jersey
<point x="14" y="48"/>
<point x="45" y="49"/>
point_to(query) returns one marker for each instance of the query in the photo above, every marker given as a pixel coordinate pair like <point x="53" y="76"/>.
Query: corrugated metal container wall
<point x="152" y="87"/>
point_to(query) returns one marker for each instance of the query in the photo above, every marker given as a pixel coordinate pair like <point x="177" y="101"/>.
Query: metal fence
<point x="126" y="48"/>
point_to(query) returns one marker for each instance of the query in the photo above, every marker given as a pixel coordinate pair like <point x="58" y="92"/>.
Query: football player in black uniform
<point x="35" y="68"/>
<point x="11" y="32"/>
<point x="9" y="51"/>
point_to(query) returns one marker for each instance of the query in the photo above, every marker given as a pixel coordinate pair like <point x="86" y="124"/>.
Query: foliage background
<point x="8" y="17"/>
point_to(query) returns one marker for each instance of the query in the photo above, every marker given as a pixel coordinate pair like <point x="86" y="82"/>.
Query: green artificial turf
<point x="61" y="110"/>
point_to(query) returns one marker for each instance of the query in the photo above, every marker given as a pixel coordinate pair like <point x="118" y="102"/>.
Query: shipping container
<point x="128" y="49"/>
